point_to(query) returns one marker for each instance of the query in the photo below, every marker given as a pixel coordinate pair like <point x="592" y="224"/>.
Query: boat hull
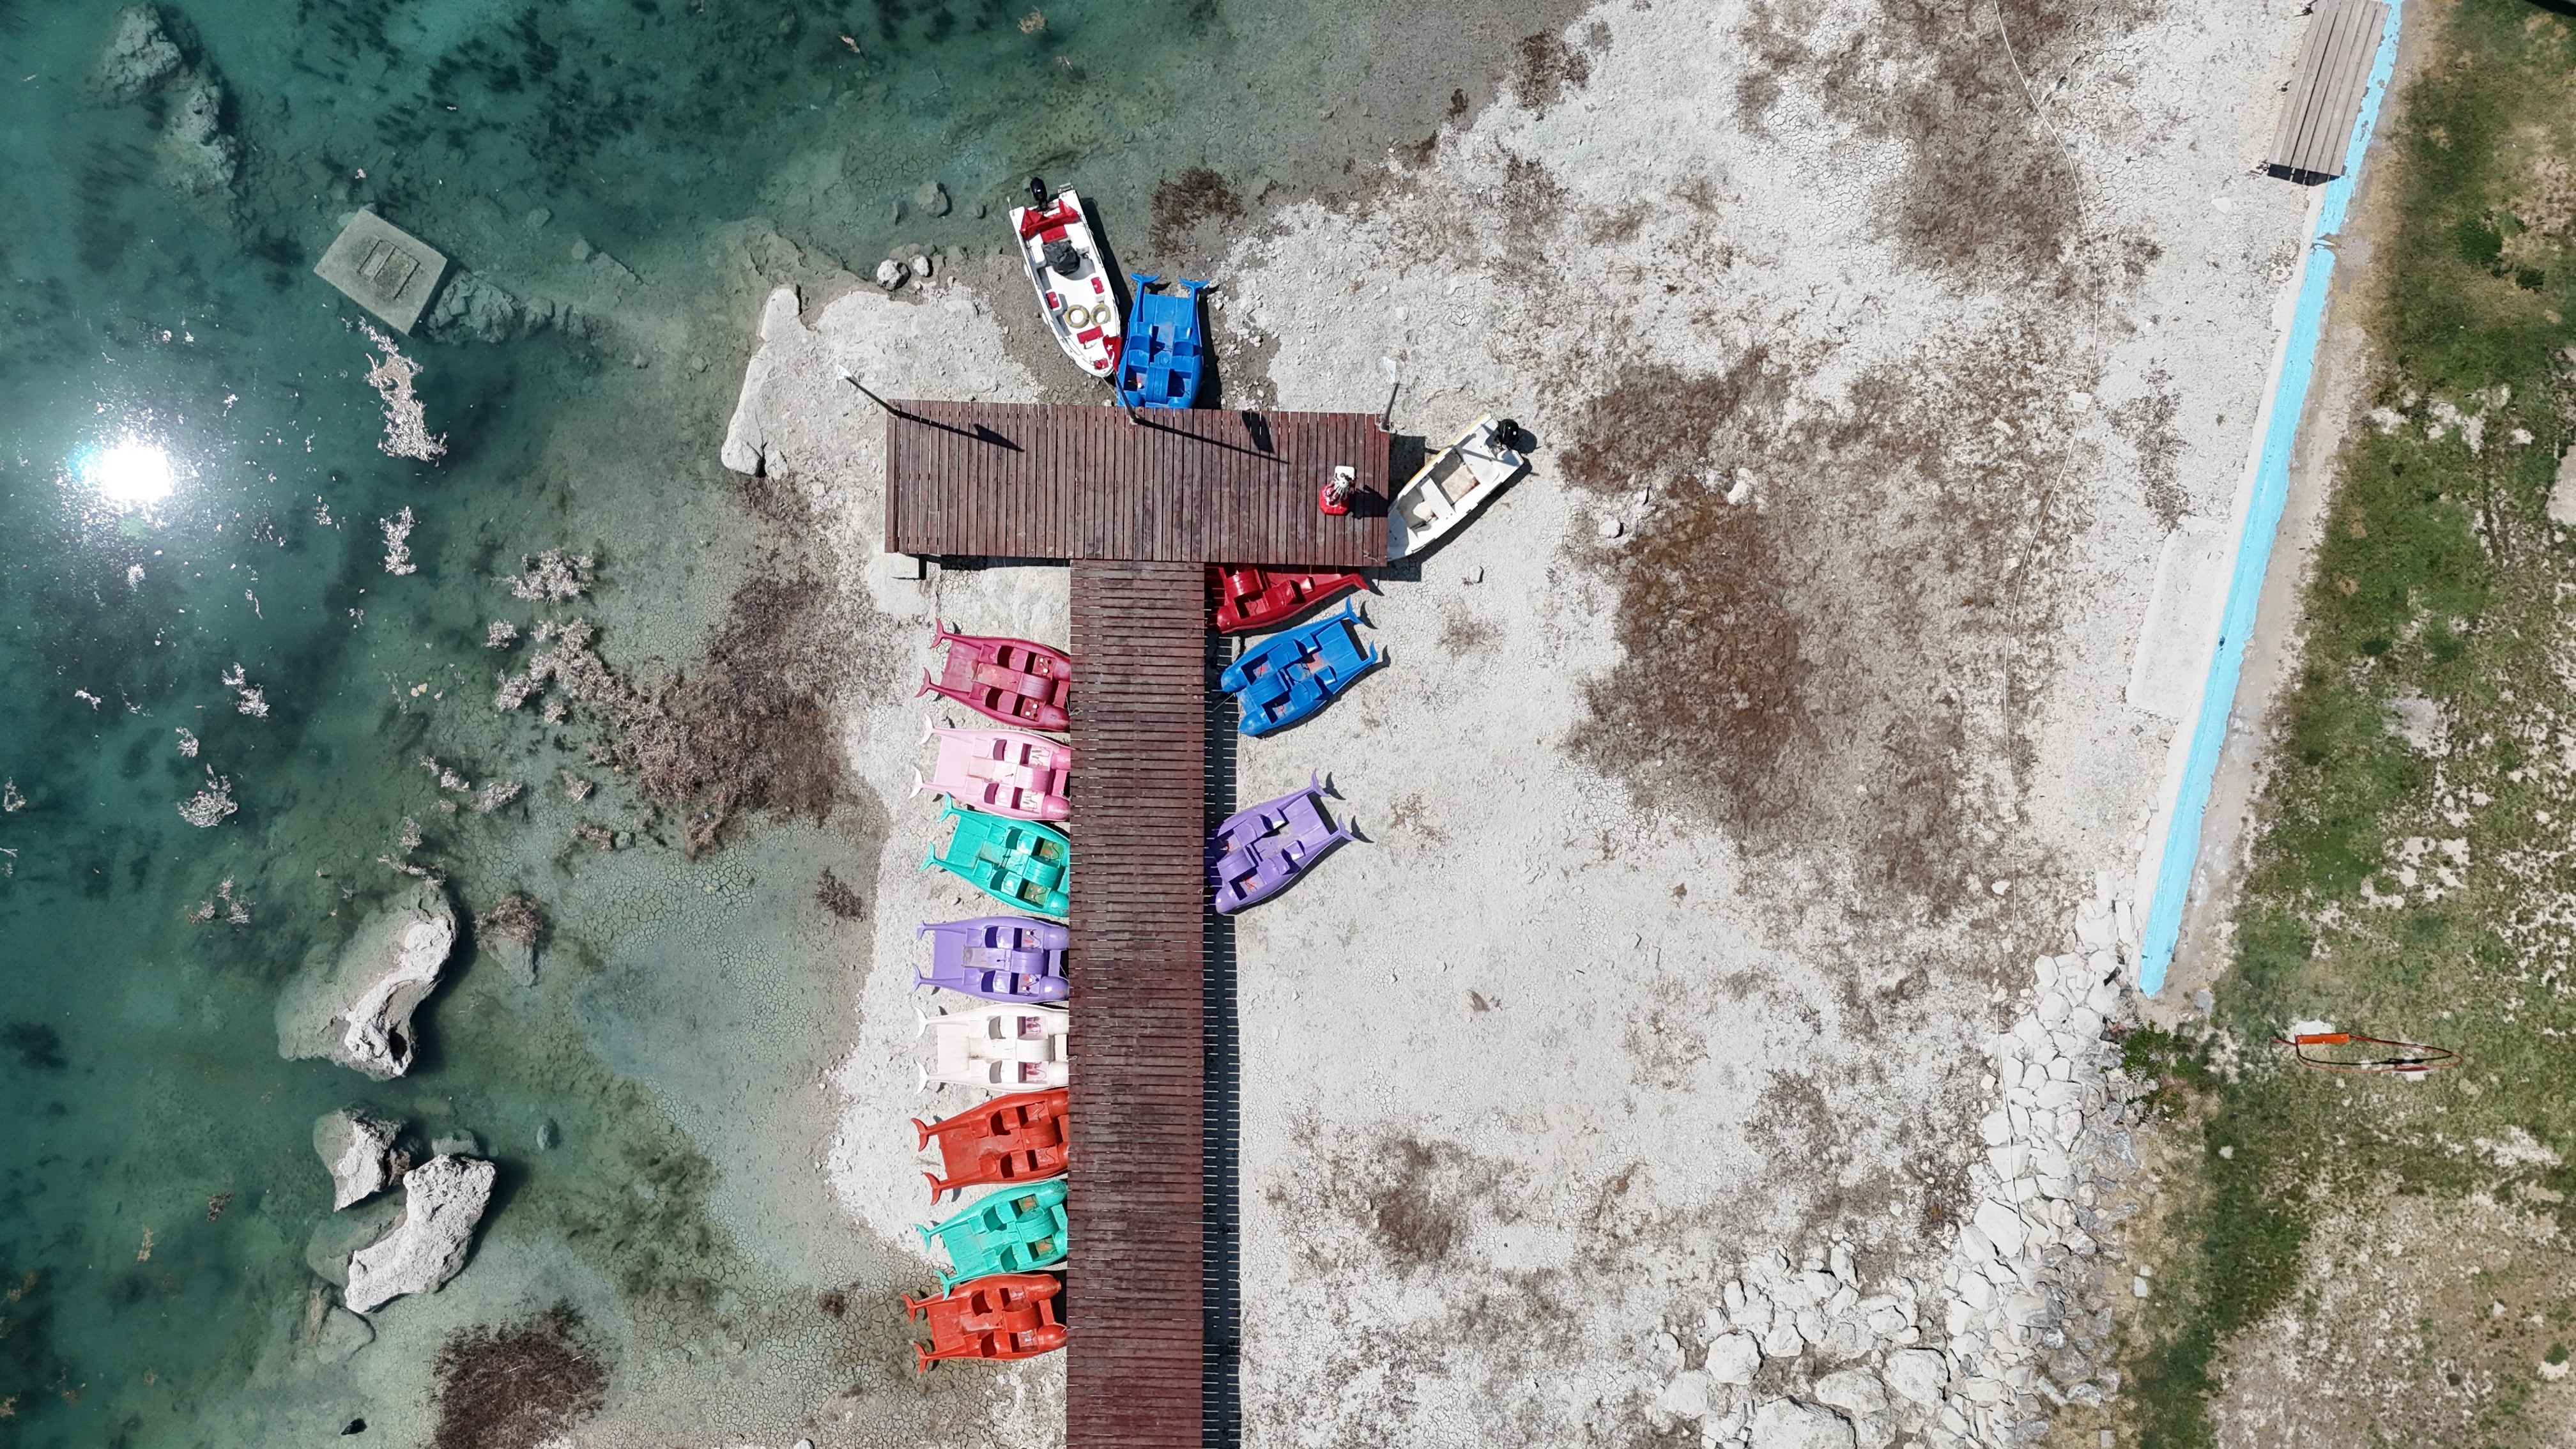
<point x="1250" y="598"/>
<point x="1163" y="360"/>
<point x="1009" y="681"/>
<point x="1081" y="309"/>
<point x="1448" y="489"/>
<point x="1256" y="853"/>
<point x="996" y="958"/>
<point x="1001" y="772"/>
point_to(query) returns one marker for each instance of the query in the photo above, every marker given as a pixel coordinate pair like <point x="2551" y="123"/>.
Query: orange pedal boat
<point x="1019" y="1138"/>
<point x="1005" y="1315"/>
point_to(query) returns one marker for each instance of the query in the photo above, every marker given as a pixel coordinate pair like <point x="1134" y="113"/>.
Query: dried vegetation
<point x="518" y="1385"/>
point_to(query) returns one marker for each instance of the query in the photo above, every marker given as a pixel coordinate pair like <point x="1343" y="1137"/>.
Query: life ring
<point x="1076" y="316"/>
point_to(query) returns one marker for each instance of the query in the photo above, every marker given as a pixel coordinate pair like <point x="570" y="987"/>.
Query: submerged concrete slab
<point x="383" y="268"/>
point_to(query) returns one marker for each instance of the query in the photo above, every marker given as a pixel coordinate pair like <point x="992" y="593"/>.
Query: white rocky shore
<point x="443" y="1199"/>
<point x="1978" y="1351"/>
<point x="356" y="1010"/>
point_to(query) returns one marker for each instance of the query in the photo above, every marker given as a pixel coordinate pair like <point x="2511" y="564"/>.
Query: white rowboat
<point x="1453" y="484"/>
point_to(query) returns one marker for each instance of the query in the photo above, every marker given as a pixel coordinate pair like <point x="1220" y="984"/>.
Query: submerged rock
<point x="932" y="198"/>
<point x="196" y="155"/>
<point x="327" y="1252"/>
<point x="357" y="1009"/>
<point x="140" y="54"/>
<point x="343" y="1333"/>
<point x="358" y="1149"/>
<point x="443" y="1199"/>
<point x="199" y="158"/>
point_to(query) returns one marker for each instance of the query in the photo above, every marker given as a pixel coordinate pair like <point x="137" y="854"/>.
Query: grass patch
<point x="2414" y="872"/>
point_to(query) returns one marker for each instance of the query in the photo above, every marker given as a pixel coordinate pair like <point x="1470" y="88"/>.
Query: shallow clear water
<point x="189" y="482"/>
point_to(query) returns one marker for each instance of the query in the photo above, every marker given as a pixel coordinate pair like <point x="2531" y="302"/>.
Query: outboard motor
<point x="1508" y="433"/>
<point x="1061" y="256"/>
<point x="1038" y="192"/>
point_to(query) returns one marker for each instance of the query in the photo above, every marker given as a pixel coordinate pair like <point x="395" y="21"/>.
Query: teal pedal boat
<point x="1016" y="1230"/>
<point x="1022" y="864"/>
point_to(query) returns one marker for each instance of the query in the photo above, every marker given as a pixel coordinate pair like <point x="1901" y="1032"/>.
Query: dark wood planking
<point x="1084" y="482"/>
<point x="1132" y="1375"/>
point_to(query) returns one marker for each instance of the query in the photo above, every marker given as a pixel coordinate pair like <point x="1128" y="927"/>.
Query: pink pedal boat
<point x="1010" y="680"/>
<point x="1256" y="853"/>
<point x="1000" y="772"/>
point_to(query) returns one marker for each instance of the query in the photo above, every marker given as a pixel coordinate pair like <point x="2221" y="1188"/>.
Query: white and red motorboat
<point x="1064" y="262"/>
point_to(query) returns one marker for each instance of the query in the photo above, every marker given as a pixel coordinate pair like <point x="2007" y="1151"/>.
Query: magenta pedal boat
<point x="996" y="958"/>
<point x="1255" y="854"/>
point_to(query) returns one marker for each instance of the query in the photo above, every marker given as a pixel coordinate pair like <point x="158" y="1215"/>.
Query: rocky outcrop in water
<point x="473" y="308"/>
<point x="443" y="1199"/>
<point x="140" y="55"/>
<point x="356" y="1009"/>
<point x="198" y="157"/>
<point x="358" y="1148"/>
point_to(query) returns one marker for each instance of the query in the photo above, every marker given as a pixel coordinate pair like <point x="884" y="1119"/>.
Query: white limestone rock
<point x="443" y="1199"/>
<point x="2002" y="1226"/>
<point x="1916" y="1375"/>
<point x="746" y="439"/>
<point x="357" y="1147"/>
<point x="2104" y="999"/>
<point x="1788" y="1424"/>
<point x="1843" y="1340"/>
<point x="1732" y="1358"/>
<point x="356" y="1010"/>
<point x="1858" y="1393"/>
<point x="1688" y="1396"/>
<point x="1783" y="1340"/>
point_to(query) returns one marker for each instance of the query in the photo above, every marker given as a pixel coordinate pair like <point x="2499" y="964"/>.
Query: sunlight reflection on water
<point x="129" y="473"/>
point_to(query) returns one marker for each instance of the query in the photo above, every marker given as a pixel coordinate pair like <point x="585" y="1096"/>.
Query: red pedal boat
<point x="1020" y="1138"/>
<point x="1258" y="598"/>
<point x="1011" y="680"/>
<point x="1001" y="1315"/>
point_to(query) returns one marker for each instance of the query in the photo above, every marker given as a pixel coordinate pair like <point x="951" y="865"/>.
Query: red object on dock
<point x="1002" y="1315"/>
<point x="1011" y="680"/>
<point x="1257" y="598"/>
<point x="1020" y="1138"/>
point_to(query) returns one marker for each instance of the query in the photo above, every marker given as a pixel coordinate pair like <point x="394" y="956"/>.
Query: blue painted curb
<point x="2254" y="546"/>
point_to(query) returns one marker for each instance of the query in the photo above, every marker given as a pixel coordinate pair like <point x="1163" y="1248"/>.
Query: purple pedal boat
<point x="1255" y="853"/>
<point x="997" y="958"/>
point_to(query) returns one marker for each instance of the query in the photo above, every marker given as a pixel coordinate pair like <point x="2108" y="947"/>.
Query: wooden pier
<point x="1140" y="508"/>
<point x="1027" y="480"/>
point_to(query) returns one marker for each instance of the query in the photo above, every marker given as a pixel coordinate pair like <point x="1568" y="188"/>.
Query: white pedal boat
<point x="1063" y="261"/>
<point x="1453" y="484"/>
<point x="1001" y="1048"/>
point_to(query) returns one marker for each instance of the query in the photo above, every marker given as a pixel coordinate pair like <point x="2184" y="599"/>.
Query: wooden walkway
<point x="2326" y="89"/>
<point x="1137" y="1194"/>
<point x="1025" y="480"/>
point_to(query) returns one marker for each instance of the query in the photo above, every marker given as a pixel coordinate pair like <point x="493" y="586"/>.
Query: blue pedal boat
<point x="1290" y="675"/>
<point x="1162" y="361"/>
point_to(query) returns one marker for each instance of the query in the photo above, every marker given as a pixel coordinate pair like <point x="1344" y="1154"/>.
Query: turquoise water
<point x="190" y="483"/>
